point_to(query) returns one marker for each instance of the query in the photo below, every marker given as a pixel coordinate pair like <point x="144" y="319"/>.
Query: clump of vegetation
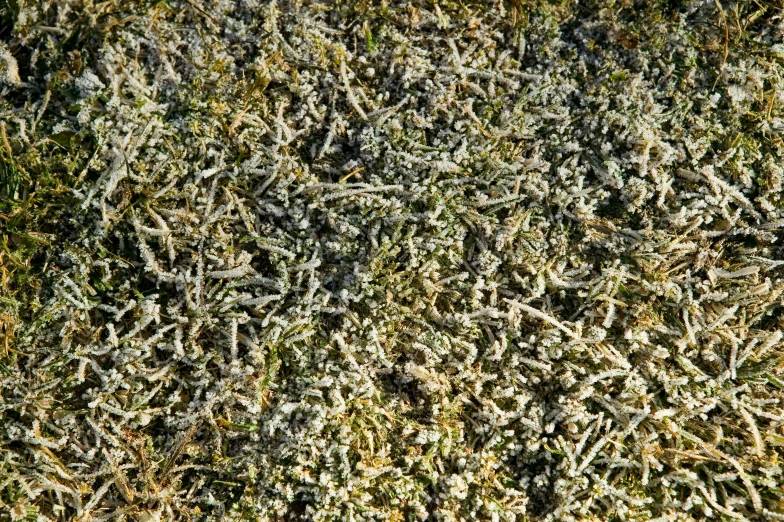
<point x="391" y="260"/>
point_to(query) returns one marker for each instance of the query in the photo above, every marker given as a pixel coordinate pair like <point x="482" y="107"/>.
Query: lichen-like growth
<point x="391" y="260"/>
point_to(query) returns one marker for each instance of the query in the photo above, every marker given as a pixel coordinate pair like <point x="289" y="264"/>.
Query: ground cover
<point x="391" y="260"/>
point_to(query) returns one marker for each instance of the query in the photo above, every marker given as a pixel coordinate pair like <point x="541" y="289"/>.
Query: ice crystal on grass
<point x="290" y="260"/>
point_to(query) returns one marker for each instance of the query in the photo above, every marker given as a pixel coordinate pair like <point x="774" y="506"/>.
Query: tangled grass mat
<point x="448" y="260"/>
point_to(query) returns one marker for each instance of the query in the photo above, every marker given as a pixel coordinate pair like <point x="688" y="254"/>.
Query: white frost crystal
<point x="9" y="68"/>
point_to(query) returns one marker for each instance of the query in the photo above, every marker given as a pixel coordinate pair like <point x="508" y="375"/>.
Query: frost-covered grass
<point x="391" y="260"/>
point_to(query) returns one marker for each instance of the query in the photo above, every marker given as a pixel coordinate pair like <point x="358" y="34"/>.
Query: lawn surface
<point x="391" y="260"/>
